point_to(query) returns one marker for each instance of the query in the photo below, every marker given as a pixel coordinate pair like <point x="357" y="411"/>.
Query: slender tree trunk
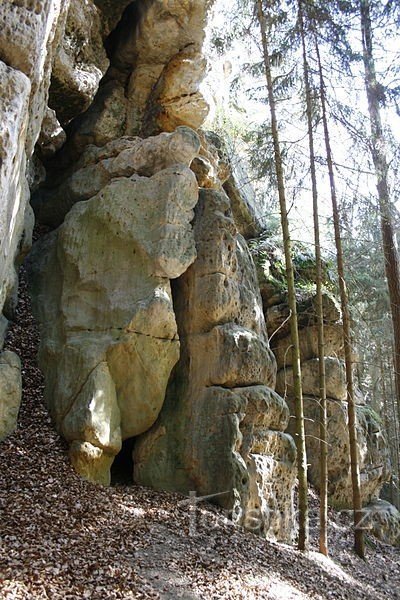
<point x="297" y="386"/>
<point x="323" y="484"/>
<point x="396" y="425"/>
<point x="381" y="170"/>
<point x="359" y="545"/>
<point x="388" y="428"/>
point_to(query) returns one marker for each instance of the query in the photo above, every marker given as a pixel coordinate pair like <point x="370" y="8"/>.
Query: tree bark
<point x="297" y="386"/>
<point x="323" y="484"/>
<point x="359" y="544"/>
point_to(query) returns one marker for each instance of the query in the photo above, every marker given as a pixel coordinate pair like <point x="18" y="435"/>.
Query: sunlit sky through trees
<point x="237" y="100"/>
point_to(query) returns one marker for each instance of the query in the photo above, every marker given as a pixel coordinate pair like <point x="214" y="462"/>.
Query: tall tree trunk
<point x="323" y="476"/>
<point x="359" y="544"/>
<point x="297" y="385"/>
<point x="381" y="170"/>
<point x="395" y="442"/>
<point x="388" y="429"/>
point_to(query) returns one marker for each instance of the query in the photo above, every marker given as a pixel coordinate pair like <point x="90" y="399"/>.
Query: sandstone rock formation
<point x="221" y="428"/>
<point x="372" y="446"/>
<point x="27" y="40"/>
<point x="372" y="450"/>
<point x="151" y="323"/>
<point x="10" y="392"/>
<point x="383" y="520"/>
<point x="103" y="300"/>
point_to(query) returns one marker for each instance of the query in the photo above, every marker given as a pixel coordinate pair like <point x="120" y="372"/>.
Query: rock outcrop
<point x="10" y="392"/>
<point x="102" y="297"/>
<point x="29" y="34"/>
<point x="220" y="431"/>
<point x="372" y="446"/>
<point x="152" y="326"/>
<point x="382" y="519"/>
<point x="144" y="289"/>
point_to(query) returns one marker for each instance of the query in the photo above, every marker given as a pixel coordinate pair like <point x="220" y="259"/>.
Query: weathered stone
<point x="272" y="479"/>
<point x="211" y="167"/>
<point x="80" y="61"/>
<point x="14" y="105"/>
<point x="123" y="157"/>
<point x="277" y="316"/>
<point x="382" y="519"/>
<point x="52" y="135"/>
<point x="244" y="206"/>
<point x="106" y="313"/>
<point x="94" y="416"/>
<point x="308" y="338"/>
<point x="219" y="166"/>
<point x="335" y="376"/>
<point x="372" y="450"/>
<point x="103" y="122"/>
<point x="91" y="462"/>
<point x="29" y="33"/>
<point x="165" y="64"/>
<point x="10" y="392"/>
<point x="213" y="436"/>
<point x="111" y="11"/>
<point x="175" y="100"/>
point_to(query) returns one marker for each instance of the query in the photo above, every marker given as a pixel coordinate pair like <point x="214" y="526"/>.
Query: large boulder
<point x="97" y="166"/>
<point x="382" y="519"/>
<point x="102" y="297"/>
<point x="220" y="431"/>
<point x="10" y="392"/>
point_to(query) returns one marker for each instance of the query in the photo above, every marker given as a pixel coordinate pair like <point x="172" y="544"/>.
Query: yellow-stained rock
<point x="10" y="392"/>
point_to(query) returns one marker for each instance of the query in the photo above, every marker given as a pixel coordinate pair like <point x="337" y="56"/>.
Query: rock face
<point x="29" y="33"/>
<point x="10" y="392"/>
<point x="144" y="290"/>
<point x="103" y="300"/>
<point x="383" y="520"/>
<point x="80" y="60"/>
<point x="373" y="452"/>
<point x="221" y="428"/>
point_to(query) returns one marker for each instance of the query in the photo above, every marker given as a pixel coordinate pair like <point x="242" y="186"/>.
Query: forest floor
<point x="62" y="537"/>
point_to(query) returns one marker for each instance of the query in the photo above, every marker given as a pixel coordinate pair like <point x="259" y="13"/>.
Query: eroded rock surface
<point x="97" y="166"/>
<point x="221" y="428"/>
<point x="103" y="300"/>
<point x="116" y="340"/>
<point x="383" y="520"/>
<point x="373" y="453"/>
<point x="372" y="448"/>
<point x="29" y="34"/>
<point x="10" y="392"/>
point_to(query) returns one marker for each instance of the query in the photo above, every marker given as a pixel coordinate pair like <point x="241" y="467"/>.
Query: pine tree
<point x="297" y="385"/>
<point x="392" y="264"/>
<point x="359" y="544"/>
<point x="323" y="539"/>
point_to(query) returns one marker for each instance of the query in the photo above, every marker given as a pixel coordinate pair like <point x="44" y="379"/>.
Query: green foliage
<point x="269" y="259"/>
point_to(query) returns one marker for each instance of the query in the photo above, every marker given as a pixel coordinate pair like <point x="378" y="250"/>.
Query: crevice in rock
<point x="122" y="467"/>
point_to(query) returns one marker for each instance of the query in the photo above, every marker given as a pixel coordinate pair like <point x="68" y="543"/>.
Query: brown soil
<point x="62" y="537"/>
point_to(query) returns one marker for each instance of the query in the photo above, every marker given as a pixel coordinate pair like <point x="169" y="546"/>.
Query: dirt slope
<point x="61" y="537"/>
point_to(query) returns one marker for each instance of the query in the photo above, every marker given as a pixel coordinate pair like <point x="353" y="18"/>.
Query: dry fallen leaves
<point x="62" y="537"/>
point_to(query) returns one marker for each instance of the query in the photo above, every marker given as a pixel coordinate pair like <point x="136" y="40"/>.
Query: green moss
<point x="270" y="262"/>
<point x="370" y="414"/>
